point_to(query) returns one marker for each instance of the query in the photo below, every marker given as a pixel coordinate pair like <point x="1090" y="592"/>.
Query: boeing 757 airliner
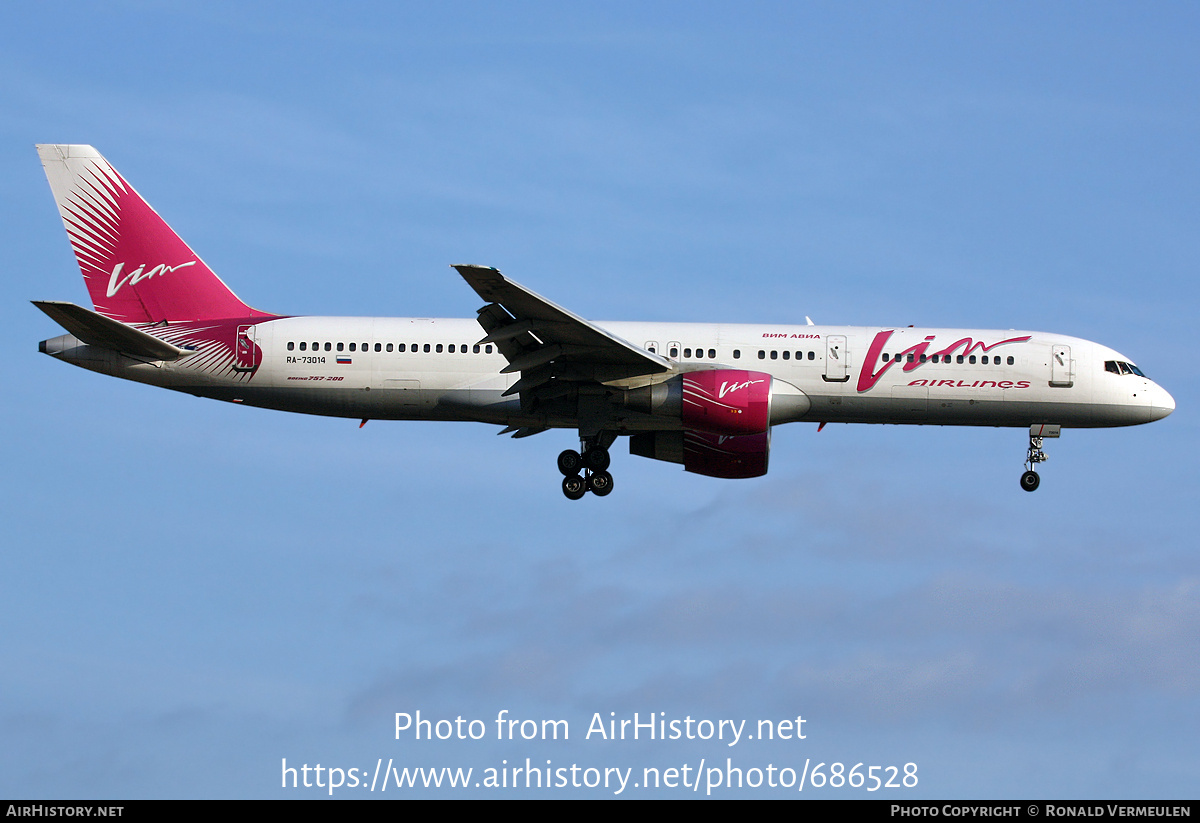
<point x="703" y="395"/>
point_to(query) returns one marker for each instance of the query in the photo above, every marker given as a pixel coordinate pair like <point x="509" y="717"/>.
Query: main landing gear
<point x="593" y="462"/>
<point x="1030" y="480"/>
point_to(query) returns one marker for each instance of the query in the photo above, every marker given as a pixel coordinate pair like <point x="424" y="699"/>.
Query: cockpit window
<point x="1121" y="367"/>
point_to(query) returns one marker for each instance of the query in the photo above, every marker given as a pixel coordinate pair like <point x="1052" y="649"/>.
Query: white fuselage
<point x="433" y="369"/>
<point x="704" y="395"/>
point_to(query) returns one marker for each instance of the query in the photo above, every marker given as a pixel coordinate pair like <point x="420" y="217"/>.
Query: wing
<point x="551" y="347"/>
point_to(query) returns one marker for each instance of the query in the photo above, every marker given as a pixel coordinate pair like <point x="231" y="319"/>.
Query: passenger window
<point x="427" y="348"/>
<point x="687" y="352"/>
<point x="328" y="347"/>
<point x="971" y="360"/>
<point x="762" y="355"/>
<point x="379" y="347"/>
<point x="351" y="347"/>
<point x="712" y="354"/>
<point x="885" y="357"/>
<point x="303" y="347"/>
<point x="959" y="359"/>
<point x="340" y="347"/>
<point x="812" y="355"/>
<point x="400" y="347"/>
<point x="1011" y="361"/>
<point x="786" y="355"/>
<point x="910" y="358"/>
<point x="451" y="348"/>
<point x="291" y="346"/>
<point x="487" y="349"/>
<point x="439" y="348"/>
<point x="774" y="355"/>
<point x="924" y="358"/>
<point x="475" y="348"/>
<point x="737" y="354"/>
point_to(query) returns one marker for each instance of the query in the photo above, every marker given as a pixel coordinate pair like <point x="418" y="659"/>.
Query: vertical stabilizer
<point x="136" y="268"/>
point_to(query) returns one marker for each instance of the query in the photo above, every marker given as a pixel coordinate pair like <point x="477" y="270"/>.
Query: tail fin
<point x="136" y="268"/>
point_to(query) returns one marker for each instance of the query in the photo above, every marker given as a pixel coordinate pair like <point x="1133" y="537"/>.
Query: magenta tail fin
<point x="136" y="268"/>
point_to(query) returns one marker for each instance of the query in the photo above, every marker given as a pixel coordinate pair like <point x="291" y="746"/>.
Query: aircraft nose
<point x="1161" y="403"/>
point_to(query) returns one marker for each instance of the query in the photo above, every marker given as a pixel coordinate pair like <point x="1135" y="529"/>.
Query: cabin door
<point x="245" y="352"/>
<point x="837" y="359"/>
<point x="1061" y="371"/>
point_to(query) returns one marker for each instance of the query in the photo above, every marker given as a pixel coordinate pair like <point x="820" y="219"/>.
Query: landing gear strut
<point x="594" y="462"/>
<point x="1030" y="480"/>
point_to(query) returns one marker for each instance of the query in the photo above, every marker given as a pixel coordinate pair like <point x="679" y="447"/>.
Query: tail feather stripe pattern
<point x="137" y="270"/>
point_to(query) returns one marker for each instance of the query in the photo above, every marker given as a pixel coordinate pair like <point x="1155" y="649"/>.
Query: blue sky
<point x="194" y="591"/>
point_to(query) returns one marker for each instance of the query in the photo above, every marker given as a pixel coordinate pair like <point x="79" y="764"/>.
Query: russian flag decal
<point x="343" y="361"/>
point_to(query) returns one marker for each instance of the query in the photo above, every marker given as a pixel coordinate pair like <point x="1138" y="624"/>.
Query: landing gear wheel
<point x="1030" y="480"/>
<point x="569" y="463"/>
<point x="601" y="483"/>
<point x="596" y="459"/>
<point x="574" y="487"/>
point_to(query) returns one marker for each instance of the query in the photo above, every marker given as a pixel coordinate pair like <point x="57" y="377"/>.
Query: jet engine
<point x="726" y="417"/>
<point x="713" y="455"/>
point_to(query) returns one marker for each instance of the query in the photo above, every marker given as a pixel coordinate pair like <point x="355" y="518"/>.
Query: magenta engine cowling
<point x="727" y="401"/>
<point x="726" y="417"/>
<point x="728" y="456"/>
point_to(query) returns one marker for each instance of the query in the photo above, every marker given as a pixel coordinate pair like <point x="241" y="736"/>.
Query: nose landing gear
<point x="1030" y="480"/>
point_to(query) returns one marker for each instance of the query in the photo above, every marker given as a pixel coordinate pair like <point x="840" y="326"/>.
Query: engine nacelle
<point x="713" y="455"/>
<point x="720" y="401"/>
<point x="727" y="401"/>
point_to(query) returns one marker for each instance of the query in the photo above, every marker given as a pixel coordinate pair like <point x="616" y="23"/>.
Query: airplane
<point x="703" y="395"/>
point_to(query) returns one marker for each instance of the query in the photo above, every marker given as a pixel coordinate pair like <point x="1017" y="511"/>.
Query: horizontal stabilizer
<point x="98" y="330"/>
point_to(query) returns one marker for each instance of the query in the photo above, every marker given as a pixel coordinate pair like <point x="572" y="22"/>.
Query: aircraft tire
<point x="1030" y="481"/>
<point x="601" y="483"/>
<point x="574" y="487"/>
<point x="597" y="459"/>
<point x="569" y="462"/>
